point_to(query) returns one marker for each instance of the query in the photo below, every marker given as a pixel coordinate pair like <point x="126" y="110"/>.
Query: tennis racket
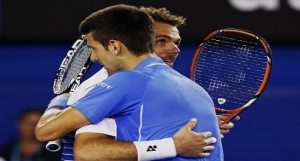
<point x="70" y="74"/>
<point x="233" y="66"/>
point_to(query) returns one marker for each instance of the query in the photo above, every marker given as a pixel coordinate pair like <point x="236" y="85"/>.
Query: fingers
<point x="192" y="144"/>
<point x="210" y="140"/>
<point x="222" y="136"/>
<point x="224" y="128"/>
<point x="204" y="154"/>
<point x="191" y="124"/>
<point x="236" y="118"/>
<point x="227" y="126"/>
<point x="224" y="117"/>
<point x="206" y="150"/>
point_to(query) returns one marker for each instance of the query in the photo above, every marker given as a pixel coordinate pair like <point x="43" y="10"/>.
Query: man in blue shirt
<point x="139" y="85"/>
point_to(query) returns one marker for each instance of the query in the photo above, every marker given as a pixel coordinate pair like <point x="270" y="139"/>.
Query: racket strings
<point x="73" y="67"/>
<point x="231" y="69"/>
<point x="242" y="47"/>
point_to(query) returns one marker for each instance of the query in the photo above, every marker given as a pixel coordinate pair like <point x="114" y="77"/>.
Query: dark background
<point x="57" y="20"/>
<point x="35" y="35"/>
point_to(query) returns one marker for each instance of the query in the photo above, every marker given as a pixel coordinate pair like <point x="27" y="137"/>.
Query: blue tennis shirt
<point x="152" y="101"/>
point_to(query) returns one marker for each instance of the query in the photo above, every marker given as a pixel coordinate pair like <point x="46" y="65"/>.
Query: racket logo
<point x="221" y="101"/>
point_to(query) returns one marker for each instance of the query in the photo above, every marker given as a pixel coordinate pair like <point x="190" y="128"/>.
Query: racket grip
<point x="53" y="146"/>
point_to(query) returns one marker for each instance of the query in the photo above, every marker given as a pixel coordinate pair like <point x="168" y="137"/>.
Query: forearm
<point x="56" y="123"/>
<point x="42" y="130"/>
<point x="102" y="147"/>
<point x="91" y="146"/>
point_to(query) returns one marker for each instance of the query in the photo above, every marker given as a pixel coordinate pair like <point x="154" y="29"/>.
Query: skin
<point x="113" y="58"/>
<point x="167" y="42"/>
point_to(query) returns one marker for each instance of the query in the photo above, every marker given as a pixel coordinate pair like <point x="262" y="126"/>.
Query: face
<point x="101" y="55"/>
<point x="167" y="42"/>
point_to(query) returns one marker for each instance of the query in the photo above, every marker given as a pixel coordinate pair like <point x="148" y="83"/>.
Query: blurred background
<point x="35" y="35"/>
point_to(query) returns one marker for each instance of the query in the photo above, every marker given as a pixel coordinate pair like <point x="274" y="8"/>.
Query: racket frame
<point x="74" y="83"/>
<point x="233" y="113"/>
<point x="55" y="145"/>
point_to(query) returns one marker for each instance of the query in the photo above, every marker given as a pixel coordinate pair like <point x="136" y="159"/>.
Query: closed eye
<point x="160" y="41"/>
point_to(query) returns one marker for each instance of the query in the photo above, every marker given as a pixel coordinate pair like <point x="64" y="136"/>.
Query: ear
<point x="114" y="46"/>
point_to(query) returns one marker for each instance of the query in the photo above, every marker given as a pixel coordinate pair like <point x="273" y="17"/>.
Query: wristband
<point x="59" y="101"/>
<point x="155" y="149"/>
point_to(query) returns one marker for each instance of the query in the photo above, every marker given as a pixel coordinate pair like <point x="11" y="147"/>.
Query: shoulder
<point x="128" y="78"/>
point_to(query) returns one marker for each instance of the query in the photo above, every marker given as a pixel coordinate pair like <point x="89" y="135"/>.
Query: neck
<point x="132" y="61"/>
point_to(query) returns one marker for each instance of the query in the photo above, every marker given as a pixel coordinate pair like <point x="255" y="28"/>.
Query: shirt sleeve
<point x="84" y="87"/>
<point x="106" y="126"/>
<point x="115" y="96"/>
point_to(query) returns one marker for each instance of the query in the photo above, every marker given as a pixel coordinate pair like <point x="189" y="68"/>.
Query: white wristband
<point x="155" y="149"/>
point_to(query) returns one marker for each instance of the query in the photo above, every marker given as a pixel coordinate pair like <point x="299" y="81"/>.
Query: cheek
<point x="101" y="55"/>
<point x="159" y="52"/>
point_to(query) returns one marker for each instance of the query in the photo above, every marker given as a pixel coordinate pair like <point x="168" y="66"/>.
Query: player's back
<point x="170" y="100"/>
<point x="150" y="102"/>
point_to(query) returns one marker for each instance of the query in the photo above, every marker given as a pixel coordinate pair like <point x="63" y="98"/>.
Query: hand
<point x="67" y="95"/>
<point x="224" y="128"/>
<point x="191" y="144"/>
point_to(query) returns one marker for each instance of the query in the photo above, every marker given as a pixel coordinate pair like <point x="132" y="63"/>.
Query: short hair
<point x="164" y="16"/>
<point x="125" y="23"/>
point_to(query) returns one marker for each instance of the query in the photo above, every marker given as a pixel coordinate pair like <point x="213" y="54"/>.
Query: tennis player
<point x="110" y="81"/>
<point x="166" y="47"/>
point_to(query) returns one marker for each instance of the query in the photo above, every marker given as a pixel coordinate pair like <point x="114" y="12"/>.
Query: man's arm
<point x="97" y="146"/>
<point x="56" y="122"/>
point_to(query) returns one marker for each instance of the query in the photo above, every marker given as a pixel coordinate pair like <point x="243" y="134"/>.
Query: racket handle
<point x="53" y="146"/>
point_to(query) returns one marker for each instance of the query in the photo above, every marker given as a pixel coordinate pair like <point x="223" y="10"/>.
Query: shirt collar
<point x="149" y="61"/>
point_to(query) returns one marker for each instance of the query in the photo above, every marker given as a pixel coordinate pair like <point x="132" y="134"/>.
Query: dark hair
<point x="125" y="23"/>
<point x="164" y="16"/>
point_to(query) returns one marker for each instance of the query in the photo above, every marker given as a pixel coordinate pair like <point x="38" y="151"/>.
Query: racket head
<point x="233" y="66"/>
<point x="73" y="67"/>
